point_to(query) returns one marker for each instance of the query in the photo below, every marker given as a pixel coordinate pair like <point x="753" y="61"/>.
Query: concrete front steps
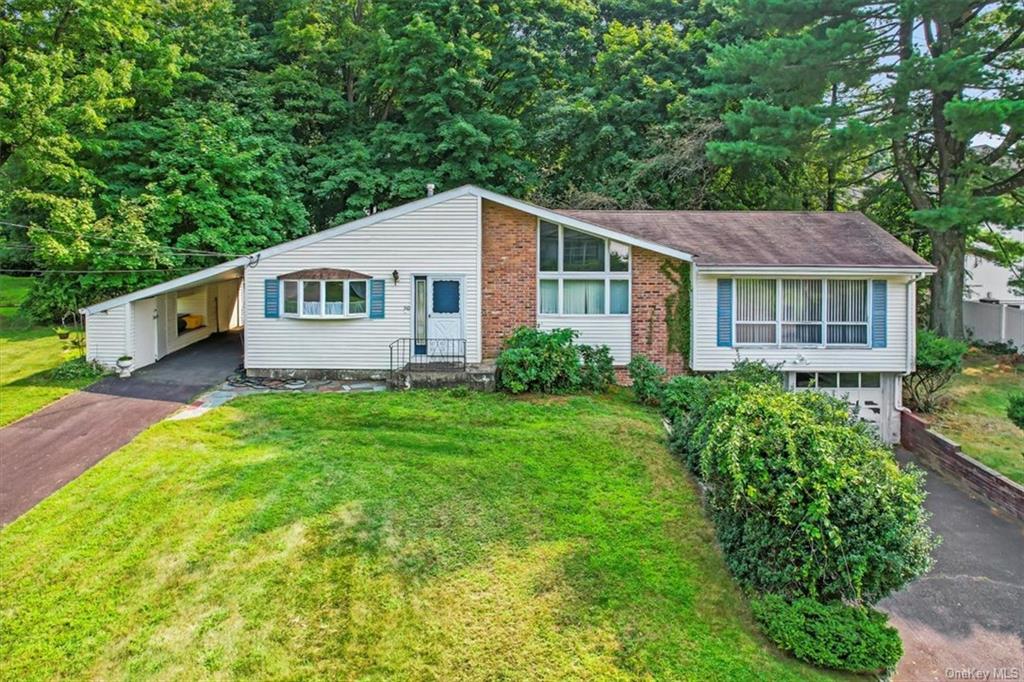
<point x="477" y="377"/>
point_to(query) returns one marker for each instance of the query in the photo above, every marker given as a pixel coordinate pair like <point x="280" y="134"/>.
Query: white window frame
<point x="323" y="299"/>
<point x="824" y="315"/>
<point x="561" y="275"/>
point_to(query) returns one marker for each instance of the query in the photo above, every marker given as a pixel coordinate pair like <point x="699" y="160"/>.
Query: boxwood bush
<point x="853" y="638"/>
<point x="552" y="362"/>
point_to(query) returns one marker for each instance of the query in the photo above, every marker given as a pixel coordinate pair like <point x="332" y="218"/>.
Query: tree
<point x="909" y="88"/>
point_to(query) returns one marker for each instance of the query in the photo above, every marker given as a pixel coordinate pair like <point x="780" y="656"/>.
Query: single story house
<point x="829" y="297"/>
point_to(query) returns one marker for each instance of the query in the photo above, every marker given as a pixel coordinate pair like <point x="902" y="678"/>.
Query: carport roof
<point x="217" y="273"/>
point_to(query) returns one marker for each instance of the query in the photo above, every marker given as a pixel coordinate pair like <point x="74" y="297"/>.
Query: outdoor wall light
<point x="394" y="276"/>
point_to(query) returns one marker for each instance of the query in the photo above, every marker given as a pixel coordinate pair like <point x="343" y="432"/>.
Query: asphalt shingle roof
<point x="763" y="238"/>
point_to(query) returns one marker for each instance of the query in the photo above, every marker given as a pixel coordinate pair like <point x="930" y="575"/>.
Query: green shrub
<point x="534" y="360"/>
<point x="1015" y="410"/>
<point x="648" y="379"/>
<point x="804" y="503"/>
<point x="835" y="635"/>
<point x="551" y="362"/>
<point x="79" y="368"/>
<point x="939" y="359"/>
<point x="597" y="372"/>
<point x="682" y="396"/>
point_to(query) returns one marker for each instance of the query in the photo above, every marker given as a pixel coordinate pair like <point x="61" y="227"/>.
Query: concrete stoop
<point x="476" y="377"/>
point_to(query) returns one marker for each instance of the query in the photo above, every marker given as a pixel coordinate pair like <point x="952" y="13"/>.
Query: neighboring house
<point x="829" y="297"/>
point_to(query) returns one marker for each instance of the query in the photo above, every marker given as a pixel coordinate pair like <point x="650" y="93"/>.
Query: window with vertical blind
<point x="815" y="312"/>
<point x="580" y="274"/>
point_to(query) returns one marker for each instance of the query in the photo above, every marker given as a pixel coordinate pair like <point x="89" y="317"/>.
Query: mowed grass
<point x="421" y="535"/>
<point x="28" y="353"/>
<point x="975" y="414"/>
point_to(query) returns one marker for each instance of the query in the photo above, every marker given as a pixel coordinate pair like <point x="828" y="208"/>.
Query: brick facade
<point x="945" y="456"/>
<point x="648" y="311"/>
<point x="509" y="286"/>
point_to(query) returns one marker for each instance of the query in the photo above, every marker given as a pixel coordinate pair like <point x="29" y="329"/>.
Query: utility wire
<point x="39" y="271"/>
<point x="186" y="252"/>
<point x="198" y="254"/>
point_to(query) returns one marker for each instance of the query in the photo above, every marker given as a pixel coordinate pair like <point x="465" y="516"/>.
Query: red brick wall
<point x="945" y="456"/>
<point x="648" y="310"/>
<point x="509" y="286"/>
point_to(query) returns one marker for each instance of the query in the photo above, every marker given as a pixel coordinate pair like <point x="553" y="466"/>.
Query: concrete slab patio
<point x="43" y="451"/>
<point x="965" y="619"/>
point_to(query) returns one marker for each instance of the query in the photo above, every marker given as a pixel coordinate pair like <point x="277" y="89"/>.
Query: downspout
<point x="912" y="323"/>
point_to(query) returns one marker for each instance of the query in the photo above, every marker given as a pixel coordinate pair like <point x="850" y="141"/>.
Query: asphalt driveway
<point x="42" y="452"/>
<point x="965" y="618"/>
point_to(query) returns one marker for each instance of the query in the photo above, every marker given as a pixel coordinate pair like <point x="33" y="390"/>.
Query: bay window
<point x="813" y="312"/>
<point x="580" y="274"/>
<point x="324" y="299"/>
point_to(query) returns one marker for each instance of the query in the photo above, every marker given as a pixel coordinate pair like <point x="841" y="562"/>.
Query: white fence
<point x="994" y="322"/>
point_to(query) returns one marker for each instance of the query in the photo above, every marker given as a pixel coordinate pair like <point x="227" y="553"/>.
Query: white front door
<point x="145" y="317"/>
<point x="445" y="313"/>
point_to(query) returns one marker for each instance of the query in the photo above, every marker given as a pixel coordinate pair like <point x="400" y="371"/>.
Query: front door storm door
<point x="445" y="306"/>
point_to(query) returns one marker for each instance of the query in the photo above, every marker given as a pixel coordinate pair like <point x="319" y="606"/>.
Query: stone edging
<point x="942" y="454"/>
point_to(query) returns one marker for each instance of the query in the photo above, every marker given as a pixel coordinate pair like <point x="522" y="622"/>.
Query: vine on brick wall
<point x="678" y="307"/>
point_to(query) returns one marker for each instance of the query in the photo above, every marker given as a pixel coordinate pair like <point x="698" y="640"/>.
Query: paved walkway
<point x="964" y="619"/>
<point x="42" y="452"/>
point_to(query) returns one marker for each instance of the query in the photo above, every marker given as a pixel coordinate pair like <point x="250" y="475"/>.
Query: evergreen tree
<point x="914" y="87"/>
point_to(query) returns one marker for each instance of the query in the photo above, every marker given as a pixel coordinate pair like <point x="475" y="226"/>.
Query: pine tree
<point x="929" y="92"/>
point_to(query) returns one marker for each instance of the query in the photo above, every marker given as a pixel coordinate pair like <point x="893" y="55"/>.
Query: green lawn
<point x="27" y="356"/>
<point x="383" y="536"/>
<point x="975" y="416"/>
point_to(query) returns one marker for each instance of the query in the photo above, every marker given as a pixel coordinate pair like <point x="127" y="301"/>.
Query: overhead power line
<point x="173" y="249"/>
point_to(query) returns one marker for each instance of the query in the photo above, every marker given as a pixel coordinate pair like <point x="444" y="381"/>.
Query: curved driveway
<point x="964" y="620"/>
<point x="43" y="451"/>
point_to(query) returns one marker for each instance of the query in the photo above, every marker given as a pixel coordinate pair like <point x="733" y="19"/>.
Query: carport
<point x="151" y="323"/>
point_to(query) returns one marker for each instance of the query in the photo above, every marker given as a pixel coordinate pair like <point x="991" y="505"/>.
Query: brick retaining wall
<point x="944" y="455"/>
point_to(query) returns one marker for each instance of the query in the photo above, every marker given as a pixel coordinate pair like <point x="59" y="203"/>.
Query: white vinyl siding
<point x="107" y="335"/>
<point x="708" y="356"/>
<point x="441" y="239"/>
<point x="595" y="330"/>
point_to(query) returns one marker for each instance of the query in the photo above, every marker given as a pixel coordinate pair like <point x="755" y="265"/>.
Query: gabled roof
<point x="712" y="238"/>
<point x="785" y="239"/>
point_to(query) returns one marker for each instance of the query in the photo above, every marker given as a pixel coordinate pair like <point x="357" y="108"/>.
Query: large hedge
<point x="807" y="502"/>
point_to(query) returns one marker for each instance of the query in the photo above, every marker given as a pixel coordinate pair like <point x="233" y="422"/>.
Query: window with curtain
<point x="311" y="298"/>
<point x="583" y="297"/>
<point x="581" y="274"/>
<point x="801" y="311"/>
<point x="325" y="299"/>
<point x="755" y="310"/>
<point x="847" y="311"/>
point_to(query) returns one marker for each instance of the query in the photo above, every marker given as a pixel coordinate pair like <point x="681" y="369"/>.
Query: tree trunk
<point x="947" y="290"/>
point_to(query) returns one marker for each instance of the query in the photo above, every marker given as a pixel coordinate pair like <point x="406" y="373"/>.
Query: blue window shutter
<point x="879" y="299"/>
<point x="271" y="298"/>
<point x="376" y="299"/>
<point x="725" y="312"/>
